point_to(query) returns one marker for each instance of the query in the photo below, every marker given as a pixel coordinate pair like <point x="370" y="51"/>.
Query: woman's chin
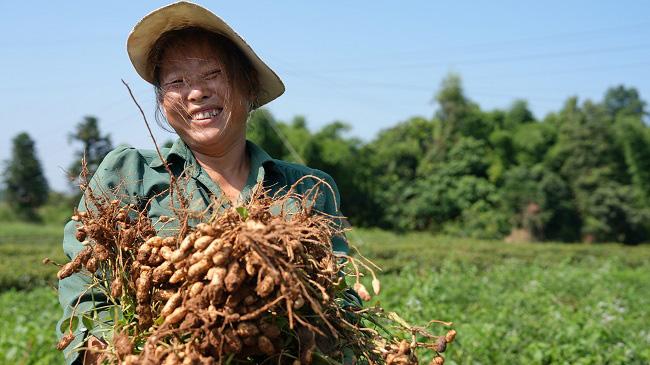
<point x="205" y="137"/>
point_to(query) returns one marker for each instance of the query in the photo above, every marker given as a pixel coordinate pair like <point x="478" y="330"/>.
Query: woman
<point x="207" y="80"/>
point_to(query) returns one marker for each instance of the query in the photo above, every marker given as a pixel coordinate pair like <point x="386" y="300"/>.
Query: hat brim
<point x="185" y="14"/>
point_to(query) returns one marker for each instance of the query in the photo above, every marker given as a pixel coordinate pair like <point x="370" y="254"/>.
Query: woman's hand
<point x="94" y="354"/>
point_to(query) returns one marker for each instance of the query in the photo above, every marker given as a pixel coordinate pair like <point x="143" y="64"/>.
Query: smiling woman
<point x="207" y="80"/>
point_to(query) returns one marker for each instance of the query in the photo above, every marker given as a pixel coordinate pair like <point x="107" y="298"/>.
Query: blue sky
<point x="369" y="63"/>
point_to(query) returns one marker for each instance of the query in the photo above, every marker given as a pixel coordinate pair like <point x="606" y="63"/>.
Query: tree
<point x="330" y="151"/>
<point x="454" y="105"/>
<point x="612" y="211"/>
<point x="518" y="114"/>
<point x="540" y="202"/>
<point x="594" y="164"/>
<point x="532" y="142"/>
<point x="624" y="101"/>
<point x="503" y="154"/>
<point x="298" y="137"/>
<point x="262" y="129"/>
<point x="634" y="138"/>
<point x="95" y="147"/>
<point x="26" y="186"/>
<point x="390" y="164"/>
<point x="457" y="115"/>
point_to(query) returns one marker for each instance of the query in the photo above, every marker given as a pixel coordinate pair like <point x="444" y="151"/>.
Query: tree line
<point x="579" y="174"/>
<point x="25" y="187"/>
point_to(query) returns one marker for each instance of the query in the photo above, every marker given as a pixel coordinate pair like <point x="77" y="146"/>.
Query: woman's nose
<point x="199" y="91"/>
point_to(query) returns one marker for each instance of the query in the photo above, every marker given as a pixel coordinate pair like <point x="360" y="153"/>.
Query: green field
<point x="511" y="303"/>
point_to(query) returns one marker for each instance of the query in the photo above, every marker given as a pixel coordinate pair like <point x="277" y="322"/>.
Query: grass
<point x="23" y="247"/>
<point x="28" y="322"/>
<point x="29" y="231"/>
<point x="520" y="303"/>
<point x="511" y="303"/>
<point x="56" y="211"/>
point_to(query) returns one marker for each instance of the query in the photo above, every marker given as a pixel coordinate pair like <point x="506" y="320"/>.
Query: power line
<point x="570" y="70"/>
<point x="536" y="56"/>
<point x="287" y="144"/>
<point x="364" y="83"/>
<point x="467" y="48"/>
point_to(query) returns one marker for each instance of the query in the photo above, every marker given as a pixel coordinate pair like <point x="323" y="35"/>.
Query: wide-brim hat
<point x="184" y="14"/>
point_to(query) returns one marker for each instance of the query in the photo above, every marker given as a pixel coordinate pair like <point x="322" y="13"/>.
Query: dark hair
<point x="240" y="73"/>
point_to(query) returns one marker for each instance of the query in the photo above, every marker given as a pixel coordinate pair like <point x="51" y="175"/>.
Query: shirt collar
<point x="259" y="157"/>
<point x="178" y="150"/>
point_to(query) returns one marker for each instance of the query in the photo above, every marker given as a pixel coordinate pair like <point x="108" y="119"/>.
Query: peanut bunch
<point x="243" y="286"/>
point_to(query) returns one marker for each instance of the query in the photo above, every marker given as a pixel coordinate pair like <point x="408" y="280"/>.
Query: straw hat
<point x="184" y="14"/>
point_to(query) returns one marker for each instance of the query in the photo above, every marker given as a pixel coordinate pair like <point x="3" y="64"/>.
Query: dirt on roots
<point x="259" y="283"/>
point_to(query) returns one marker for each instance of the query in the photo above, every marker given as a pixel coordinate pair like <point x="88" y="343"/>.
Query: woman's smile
<point x="205" y="115"/>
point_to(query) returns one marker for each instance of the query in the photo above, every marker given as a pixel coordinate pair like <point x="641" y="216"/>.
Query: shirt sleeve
<point x="116" y="177"/>
<point x="332" y="206"/>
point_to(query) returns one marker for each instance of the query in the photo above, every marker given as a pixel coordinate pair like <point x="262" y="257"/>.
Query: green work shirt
<point x="140" y="177"/>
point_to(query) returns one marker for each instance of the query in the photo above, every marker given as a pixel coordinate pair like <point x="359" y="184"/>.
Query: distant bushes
<point x="582" y="173"/>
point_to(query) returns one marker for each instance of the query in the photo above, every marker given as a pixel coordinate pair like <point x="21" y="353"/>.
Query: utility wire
<point x="470" y="48"/>
<point x="287" y="144"/>
<point x="536" y="56"/>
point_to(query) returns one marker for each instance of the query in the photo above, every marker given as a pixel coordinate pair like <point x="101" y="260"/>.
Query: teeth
<point x="206" y="114"/>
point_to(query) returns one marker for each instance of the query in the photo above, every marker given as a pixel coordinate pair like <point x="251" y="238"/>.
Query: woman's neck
<point x="229" y="168"/>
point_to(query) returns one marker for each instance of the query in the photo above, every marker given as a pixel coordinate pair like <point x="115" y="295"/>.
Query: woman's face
<point x="197" y="99"/>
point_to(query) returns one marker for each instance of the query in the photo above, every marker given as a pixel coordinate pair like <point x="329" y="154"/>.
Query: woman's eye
<point x="173" y="83"/>
<point x="213" y="74"/>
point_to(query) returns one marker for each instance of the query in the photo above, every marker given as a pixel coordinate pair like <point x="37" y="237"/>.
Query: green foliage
<point x="95" y="147"/>
<point x="468" y="156"/>
<point x="560" y="217"/>
<point x="327" y="149"/>
<point x="518" y="114"/>
<point x="479" y="220"/>
<point x="7" y="214"/>
<point x="615" y="214"/>
<point x="24" y="180"/>
<point x="444" y="190"/>
<point x="510" y="303"/>
<point x="28" y="321"/>
<point x="262" y="129"/>
<point x="622" y="101"/>
<point x="503" y="154"/>
<point x="580" y="174"/>
<point x="532" y="141"/>
<point x="457" y="114"/>
<point x="397" y="151"/>
<point x="520" y="303"/>
<point x="23" y="247"/>
<point x="543" y="313"/>
<point x="58" y="209"/>
<point x="634" y="139"/>
<point x="564" y="178"/>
